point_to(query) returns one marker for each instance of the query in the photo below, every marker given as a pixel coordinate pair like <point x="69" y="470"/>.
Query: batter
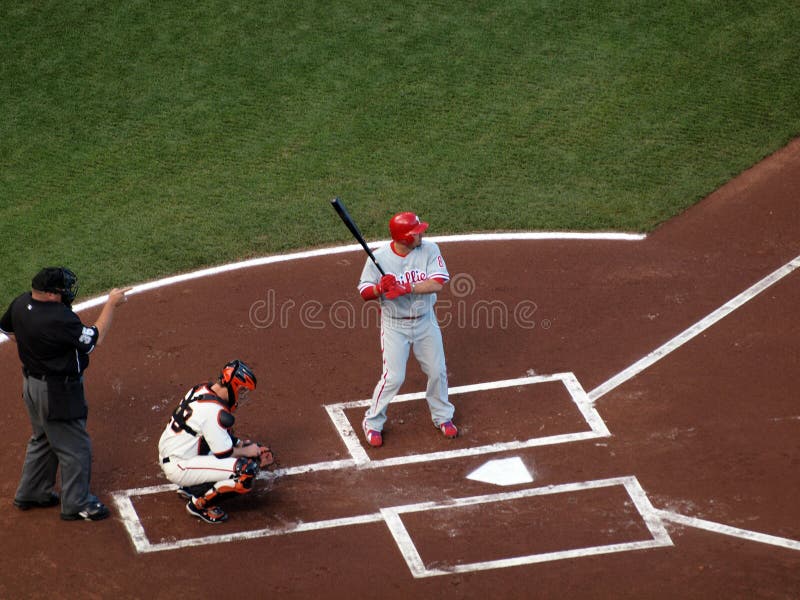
<point x="415" y="272"/>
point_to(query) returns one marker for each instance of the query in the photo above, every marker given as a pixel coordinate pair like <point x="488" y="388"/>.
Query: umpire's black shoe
<point x="52" y="500"/>
<point x="96" y="511"/>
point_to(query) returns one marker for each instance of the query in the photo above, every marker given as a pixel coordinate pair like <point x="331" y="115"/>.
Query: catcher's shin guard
<point x="245" y="472"/>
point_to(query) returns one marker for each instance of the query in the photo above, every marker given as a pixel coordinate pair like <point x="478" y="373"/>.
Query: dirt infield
<point x="647" y="387"/>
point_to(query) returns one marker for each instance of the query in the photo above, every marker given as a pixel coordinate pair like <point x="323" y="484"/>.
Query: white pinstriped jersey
<point x="423" y="262"/>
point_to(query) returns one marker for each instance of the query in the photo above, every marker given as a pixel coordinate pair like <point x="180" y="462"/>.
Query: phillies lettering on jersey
<point x="412" y="276"/>
<point x="423" y="262"/>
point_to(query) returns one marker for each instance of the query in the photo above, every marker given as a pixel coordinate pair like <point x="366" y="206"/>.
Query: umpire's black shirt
<point x="51" y="340"/>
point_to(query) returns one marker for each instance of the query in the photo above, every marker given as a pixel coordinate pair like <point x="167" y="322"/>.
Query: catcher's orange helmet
<point x="403" y="226"/>
<point x="236" y="376"/>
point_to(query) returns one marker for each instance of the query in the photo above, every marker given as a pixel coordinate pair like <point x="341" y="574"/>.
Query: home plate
<point x="502" y="471"/>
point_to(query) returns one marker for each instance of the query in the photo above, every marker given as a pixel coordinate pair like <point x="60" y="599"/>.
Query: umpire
<point x="54" y="348"/>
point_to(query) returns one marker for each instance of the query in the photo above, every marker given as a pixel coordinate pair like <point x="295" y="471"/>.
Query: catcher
<point x="198" y="451"/>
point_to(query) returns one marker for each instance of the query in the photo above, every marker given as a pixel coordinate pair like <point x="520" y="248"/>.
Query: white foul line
<point x="751" y="536"/>
<point x="693" y="331"/>
<point x="677" y="342"/>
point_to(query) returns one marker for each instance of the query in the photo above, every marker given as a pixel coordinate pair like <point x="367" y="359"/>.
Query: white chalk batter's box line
<point x="578" y="395"/>
<point x="142" y="544"/>
<point x="392" y="517"/>
<point x="135" y="528"/>
<point x="361" y="460"/>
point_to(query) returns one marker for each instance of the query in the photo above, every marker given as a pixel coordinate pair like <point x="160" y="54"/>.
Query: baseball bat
<point x="351" y="225"/>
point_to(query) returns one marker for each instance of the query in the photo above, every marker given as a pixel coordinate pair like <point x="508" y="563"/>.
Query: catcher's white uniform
<point x="206" y="456"/>
<point x="409" y="322"/>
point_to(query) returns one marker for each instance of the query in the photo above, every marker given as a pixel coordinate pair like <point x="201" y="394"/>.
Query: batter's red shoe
<point x="374" y="438"/>
<point x="448" y="429"/>
<point x="209" y="514"/>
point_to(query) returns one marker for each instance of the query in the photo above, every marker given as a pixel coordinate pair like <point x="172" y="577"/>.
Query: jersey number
<point x="182" y="414"/>
<point x="86" y="336"/>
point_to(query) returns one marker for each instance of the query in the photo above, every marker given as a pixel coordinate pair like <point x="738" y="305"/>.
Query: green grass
<point x="141" y="139"/>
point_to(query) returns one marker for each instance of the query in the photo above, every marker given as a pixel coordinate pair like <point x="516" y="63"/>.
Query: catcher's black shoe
<point x="209" y="514"/>
<point x="52" y="500"/>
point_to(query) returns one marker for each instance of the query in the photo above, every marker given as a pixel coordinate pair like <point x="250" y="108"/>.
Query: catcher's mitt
<point x="266" y="460"/>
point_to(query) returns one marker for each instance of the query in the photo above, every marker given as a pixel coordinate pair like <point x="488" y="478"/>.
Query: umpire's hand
<point x="117" y="295"/>
<point x="115" y="298"/>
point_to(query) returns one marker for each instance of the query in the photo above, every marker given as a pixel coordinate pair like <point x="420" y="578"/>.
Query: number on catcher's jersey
<point x="182" y="414"/>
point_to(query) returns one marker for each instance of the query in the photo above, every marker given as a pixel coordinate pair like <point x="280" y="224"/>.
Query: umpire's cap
<point x="57" y="280"/>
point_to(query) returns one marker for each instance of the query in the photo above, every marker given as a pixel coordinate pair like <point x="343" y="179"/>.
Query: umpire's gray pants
<point x="53" y="444"/>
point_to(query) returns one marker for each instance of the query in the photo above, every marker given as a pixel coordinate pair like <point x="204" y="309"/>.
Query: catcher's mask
<point x="57" y="280"/>
<point x="403" y="226"/>
<point x="239" y="380"/>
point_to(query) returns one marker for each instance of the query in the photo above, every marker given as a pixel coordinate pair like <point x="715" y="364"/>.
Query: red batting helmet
<point x="404" y="225"/>
<point x="236" y="376"/>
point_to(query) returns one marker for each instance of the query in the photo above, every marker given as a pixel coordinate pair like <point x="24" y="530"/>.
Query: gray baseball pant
<point x="53" y="444"/>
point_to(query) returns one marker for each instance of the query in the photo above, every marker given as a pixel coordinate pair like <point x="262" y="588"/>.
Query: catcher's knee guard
<point x="245" y="472"/>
